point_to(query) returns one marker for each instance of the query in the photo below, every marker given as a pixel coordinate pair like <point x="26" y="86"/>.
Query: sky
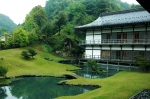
<point x="17" y="10"/>
<point x="130" y="1"/>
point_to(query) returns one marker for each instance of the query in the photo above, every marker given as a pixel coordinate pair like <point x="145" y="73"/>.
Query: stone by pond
<point x="40" y="88"/>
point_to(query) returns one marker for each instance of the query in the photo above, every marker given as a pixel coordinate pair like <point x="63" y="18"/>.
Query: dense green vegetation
<point x="3" y="71"/>
<point x="94" y="66"/>
<point x="6" y="24"/>
<point x="143" y="63"/>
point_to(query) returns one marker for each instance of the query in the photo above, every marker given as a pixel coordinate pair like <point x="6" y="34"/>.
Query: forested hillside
<point x="53" y="25"/>
<point x="6" y="24"/>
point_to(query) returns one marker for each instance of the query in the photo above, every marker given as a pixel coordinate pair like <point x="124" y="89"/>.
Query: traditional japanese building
<point x="117" y="36"/>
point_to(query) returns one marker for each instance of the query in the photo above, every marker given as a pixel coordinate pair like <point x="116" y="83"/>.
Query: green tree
<point x="3" y="71"/>
<point x="62" y="19"/>
<point x="53" y="7"/>
<point x="2" y="30"/>
<point x="34" y="22"/>
<point x="25" y="54"/>
<point x="77" y="13"/>
<point x="33" y="36"/>
<point x="47" y="30"/>
<point x="20" y="37"/>
<point x="32" y="52"/>
<point x="142" y="62"/>
<point x="93" y="65"/>
<point x="134" y="6"/>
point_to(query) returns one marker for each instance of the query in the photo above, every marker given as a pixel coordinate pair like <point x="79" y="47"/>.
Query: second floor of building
<point x="127" y="35"/>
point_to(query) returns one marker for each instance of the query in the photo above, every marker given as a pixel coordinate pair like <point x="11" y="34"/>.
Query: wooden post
<point x="107" y="66"/>
<point x="130" y="67"/>
<point x="118" y="67"/>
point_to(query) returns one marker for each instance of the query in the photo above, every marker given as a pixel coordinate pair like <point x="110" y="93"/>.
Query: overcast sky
<point x="18" y="9"/>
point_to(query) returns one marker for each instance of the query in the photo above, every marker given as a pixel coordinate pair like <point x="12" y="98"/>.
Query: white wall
<point x="126" y="48"/>
<point x="148" y="49"/>
<point x="105" y="48"/>
<point x="116" y="48"/>
<point x="139" y="48"/>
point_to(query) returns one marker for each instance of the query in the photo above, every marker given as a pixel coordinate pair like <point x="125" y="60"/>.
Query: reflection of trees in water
<point x="39" y="88"/>
<point x="3" y="94"/>
<point x="88" y="73"/>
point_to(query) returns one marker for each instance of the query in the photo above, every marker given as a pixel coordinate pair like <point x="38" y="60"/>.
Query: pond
<point x="40" y="88"/>
<point x="87" y="73"/>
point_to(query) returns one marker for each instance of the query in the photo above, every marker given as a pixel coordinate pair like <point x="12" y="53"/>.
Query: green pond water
<point x="40" y="88"/>
<point x="47" y="87"/>
<point x="88" y="73"/>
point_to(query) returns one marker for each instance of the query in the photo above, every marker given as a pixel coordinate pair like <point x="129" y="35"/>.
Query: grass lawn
<point x="16" y="65"/>
<point x="120" y="86"/>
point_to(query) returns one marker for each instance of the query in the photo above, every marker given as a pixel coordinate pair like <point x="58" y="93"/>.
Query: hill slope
<point x="6" y="22"/>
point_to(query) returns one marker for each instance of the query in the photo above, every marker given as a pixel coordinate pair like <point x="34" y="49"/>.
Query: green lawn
<point x="16" y="65"/>
<point x="120" y="86"/>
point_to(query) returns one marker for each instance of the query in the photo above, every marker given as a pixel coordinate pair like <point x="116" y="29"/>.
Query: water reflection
<point x="3" y="94"/>
<point x="87" y="73"/>
<point x="40" y="88"/>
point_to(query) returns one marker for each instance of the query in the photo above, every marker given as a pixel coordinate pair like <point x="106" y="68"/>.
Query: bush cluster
<point x="29" y="54"/>
<point x="3" y="71"/>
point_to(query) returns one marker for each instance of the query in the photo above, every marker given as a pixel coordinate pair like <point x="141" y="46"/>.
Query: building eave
<point x="120" y="18"/>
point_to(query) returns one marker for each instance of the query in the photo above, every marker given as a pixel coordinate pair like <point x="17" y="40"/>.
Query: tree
<point x="77" y="51"/>
<point x="25" y="54"/>
<point x="76" y="13"/>
<point x="61" y="20"/>
<point x="34" y="22"/>
<point x="2" y="30"/>
<point x="32" y="36"/>
<point x="28" y="53"/>
<point x="142" y="62"/>
<point x="93" y="65"/>
<point x="134" y="6"/>
<point x="3" y="71"/>
<point x="32" y="52"/>
<point x="20" y="37"/>
<point x="47" y="30"/>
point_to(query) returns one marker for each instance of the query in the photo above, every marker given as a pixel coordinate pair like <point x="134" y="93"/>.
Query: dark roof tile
<point x="120" y="17"/>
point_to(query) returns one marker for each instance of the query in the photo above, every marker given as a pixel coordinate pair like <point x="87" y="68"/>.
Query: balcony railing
<point x="110" y="58"/>
<point x="115" y="41"/>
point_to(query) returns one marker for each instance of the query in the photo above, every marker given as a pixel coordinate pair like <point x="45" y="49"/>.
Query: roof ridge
<point x="122" y="11"/>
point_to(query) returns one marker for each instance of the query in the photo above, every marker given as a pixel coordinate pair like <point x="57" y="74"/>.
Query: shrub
<point x="3" y="71"/>
<point x="142" y="62"/>
<point x="27" y="54"/>
<point x="32" y="52"/>
<point x="47" y="48"/>
<point x="93" y="65"/>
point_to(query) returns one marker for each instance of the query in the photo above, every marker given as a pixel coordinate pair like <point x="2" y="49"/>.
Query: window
<point x="136" y="37"/>
<point x="124" y="38"/>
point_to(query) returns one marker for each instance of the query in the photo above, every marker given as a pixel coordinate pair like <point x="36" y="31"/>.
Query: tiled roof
<point x="120" y="18"/>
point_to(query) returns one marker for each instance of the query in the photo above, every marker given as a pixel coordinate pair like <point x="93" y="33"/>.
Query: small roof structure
<point x="132" y="16"/>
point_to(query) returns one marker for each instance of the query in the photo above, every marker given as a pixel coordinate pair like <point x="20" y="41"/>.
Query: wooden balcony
<point x="116" y="42"/>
